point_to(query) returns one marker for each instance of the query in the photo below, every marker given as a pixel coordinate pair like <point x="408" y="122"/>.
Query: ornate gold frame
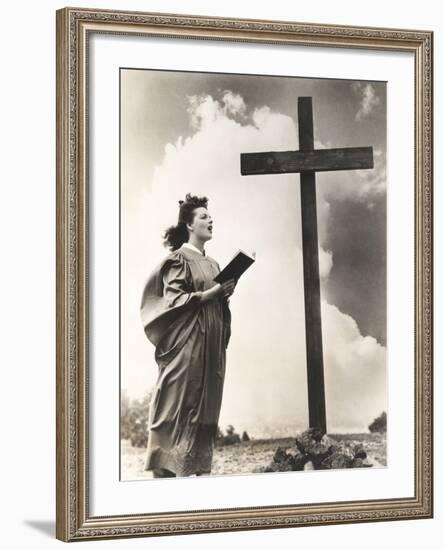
<point x="73" y="519"/>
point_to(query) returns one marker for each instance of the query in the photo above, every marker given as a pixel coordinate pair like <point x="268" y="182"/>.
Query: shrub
<point x="134" y="419"/>
<point x="230" y="438"/>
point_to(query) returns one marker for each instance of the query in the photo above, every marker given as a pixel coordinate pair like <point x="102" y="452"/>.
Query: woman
<point x="185" y="314"/>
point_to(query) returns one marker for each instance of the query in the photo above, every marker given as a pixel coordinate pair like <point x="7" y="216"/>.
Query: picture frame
<point x="77" y="260"/>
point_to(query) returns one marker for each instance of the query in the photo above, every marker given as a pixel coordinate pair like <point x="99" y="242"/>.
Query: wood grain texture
<point x="310" y="257"/>
<point x="318" y="160"/>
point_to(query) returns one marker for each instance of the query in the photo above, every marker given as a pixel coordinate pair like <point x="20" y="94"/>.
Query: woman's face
<point x="202" y="226"/>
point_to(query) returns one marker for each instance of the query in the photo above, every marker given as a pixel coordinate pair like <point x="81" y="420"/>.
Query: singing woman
<point x="186" y="316"/>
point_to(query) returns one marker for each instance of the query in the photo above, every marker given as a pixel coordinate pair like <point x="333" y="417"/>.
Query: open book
<point x="240" y="263"/>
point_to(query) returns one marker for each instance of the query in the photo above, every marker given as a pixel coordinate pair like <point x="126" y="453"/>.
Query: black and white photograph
<point x="220" y="317"/>
<point x="252" y="274"/>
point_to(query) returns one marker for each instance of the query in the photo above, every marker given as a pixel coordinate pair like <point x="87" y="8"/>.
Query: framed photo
<point x="244" y="274"/>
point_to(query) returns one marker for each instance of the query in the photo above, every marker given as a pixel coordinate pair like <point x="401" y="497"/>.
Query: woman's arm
<point x="224" y="289"/>
<point x="211" y="293"/>
<point x="177" y="283"/>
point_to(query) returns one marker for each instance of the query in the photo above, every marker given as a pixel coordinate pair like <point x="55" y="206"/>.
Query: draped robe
<point x="190" y="339"/>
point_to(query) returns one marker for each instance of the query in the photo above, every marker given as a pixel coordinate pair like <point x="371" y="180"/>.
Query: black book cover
<point x="238" y="265"/>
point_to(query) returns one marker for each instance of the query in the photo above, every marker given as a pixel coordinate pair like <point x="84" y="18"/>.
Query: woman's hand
<point x="224" y="290"/>
<point x="227" y="288"/>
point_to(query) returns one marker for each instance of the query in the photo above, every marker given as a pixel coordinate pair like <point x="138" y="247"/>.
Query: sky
<point x="184" y="132"/>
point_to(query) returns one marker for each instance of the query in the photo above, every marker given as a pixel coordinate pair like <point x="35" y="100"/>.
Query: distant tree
<point x="379" y="424"/>
<point x="230" y="438"/>
<point x="245" y="436"/>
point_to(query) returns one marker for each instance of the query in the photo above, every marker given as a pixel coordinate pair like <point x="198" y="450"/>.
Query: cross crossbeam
<point x="318" y="160"/>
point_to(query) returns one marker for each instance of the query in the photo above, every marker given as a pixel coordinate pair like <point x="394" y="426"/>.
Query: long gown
<point x="190" y="338"/>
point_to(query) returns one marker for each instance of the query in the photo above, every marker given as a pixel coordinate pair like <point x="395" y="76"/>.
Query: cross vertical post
<point x="307" y="161"/>
<point x="310" y="255"/>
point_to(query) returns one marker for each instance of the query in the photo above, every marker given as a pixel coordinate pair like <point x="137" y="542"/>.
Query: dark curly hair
<point x="175" y="235"/>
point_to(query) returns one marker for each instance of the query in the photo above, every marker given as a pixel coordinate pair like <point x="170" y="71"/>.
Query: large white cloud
<point x="363" y="186"/>
<point x="266" y="389"/>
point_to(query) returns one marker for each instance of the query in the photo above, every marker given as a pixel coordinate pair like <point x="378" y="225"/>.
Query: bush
<point x="379" y="425"/>
<point x="230" y="438"/>
<point x="134" y="423"/>
<point x="134" y="419"/>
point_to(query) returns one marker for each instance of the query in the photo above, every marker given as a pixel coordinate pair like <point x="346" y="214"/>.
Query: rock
<point x="275" y="467"/>
<point x="280" y="455"/>
<point x="316" y="433"/>
<point x="332" y="443"/>
<point x="359" y="451"/>
<point x="282" y="461"/>
<point x="287" y="466"/>
<point x="308" y="438"/>
<point x="336" y="460"/>
<point x="317" y="453"/>
<point x="299" y="461"/>
<point x="360" y="463"/>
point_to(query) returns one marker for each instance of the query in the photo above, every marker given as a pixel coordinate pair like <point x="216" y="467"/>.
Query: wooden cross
<point x="307" y="161"/>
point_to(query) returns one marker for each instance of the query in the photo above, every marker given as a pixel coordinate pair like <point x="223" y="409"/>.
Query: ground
<point x="243" y="458"/>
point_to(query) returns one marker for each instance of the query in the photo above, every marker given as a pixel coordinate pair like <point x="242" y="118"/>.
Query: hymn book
<point x="234" y="269"/>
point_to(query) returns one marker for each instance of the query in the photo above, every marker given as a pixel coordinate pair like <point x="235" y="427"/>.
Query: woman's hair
<point x="175" y="235"/>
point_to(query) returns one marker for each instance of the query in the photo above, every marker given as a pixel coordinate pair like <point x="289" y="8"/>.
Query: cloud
<point x="234" y="104"/>
<point x="362" y="186"/>
<point x="266" y="382"/>
<point x="369" y="99"/>
<point x="325" y="263"/>
<point x="355" y="372"/>
<point x="203" y="110"/>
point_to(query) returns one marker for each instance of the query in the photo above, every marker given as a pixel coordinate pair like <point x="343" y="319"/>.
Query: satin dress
<point x="190" y="339"/>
